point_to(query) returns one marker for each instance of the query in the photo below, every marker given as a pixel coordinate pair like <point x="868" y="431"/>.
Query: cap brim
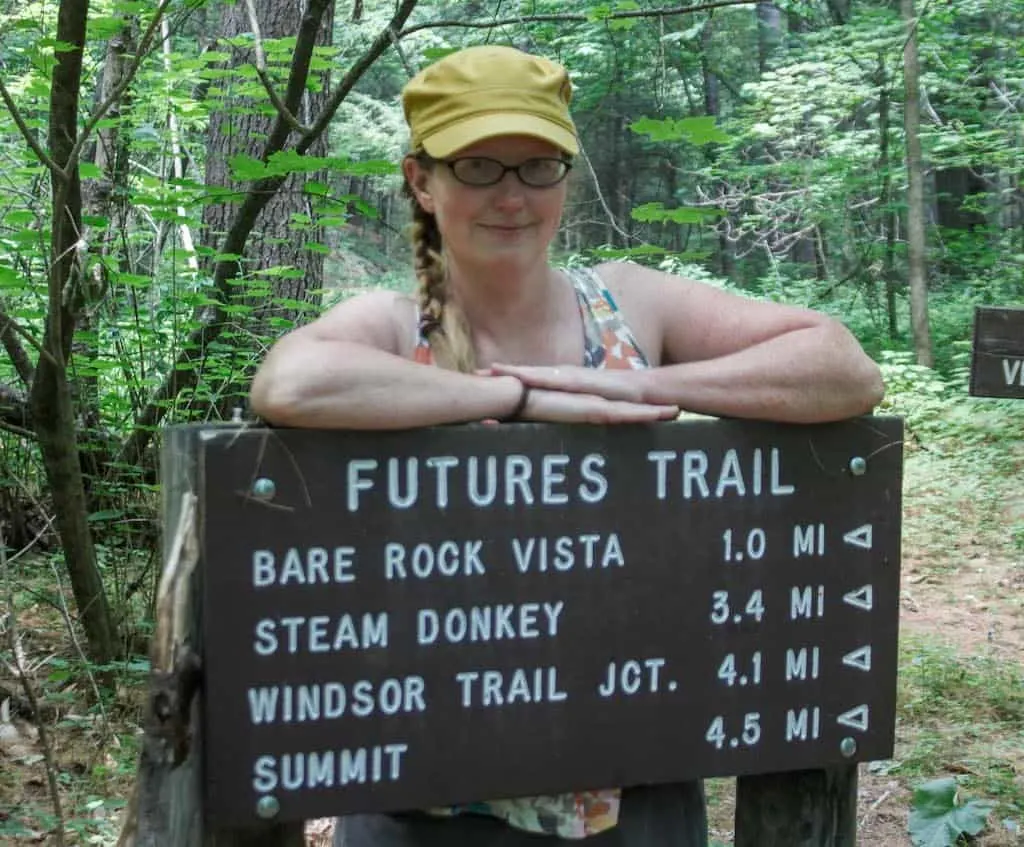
<point x="449" y="140"/>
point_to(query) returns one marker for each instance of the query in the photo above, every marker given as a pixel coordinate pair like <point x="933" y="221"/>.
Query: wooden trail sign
<point x="997" y="364"/>
<point x="405" y="620"/>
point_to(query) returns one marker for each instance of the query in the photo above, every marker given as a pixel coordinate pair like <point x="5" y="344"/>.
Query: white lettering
<point x="356" y="483"/>
<point x="321" y="633"/>
<point x="796" y="663"/>
<point x="796" y="724"/>
<point x="695" y="467"/>
<point x="502" y="622"/>
<point x="731" y="475"/>
<point x="424" y="560"/>
<point x="302" y="567"/>
<point x="486" y="496"/>
<point x="328" y="768"/>
<point x="802" y="605"/>
<point x="777" y="487"/>
<point x="273" y="704"/>
<point x="442" y="464"/>
<point x="518" y="470"/>
<point x="565" y="552"/>
<point x="412" y="483"/>
<point x="1011" y="369"/>
<point x="552" y="476"/>
<point x="661" y="458"/>
<point x="595" y="485"/>
<point x="491" y="688"/>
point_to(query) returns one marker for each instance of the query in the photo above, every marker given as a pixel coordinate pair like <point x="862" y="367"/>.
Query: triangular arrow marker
<point x="859" y="658"/>
<point x="862" y="598"/>
<point x="856" y="718"/>
<point x="859" y="537"/>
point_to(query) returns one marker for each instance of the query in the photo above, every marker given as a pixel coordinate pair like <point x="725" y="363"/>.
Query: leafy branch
<point x="571" y="17"/>
<point x="261" y="72"/>
<point x="187" y="369"/>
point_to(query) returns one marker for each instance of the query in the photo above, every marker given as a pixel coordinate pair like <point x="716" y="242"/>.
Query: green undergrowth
<point x="962" y="716"/>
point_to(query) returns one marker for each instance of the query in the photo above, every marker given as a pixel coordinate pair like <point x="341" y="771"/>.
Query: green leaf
<point x="281" y="271"/>
<point x="653" y="212"/>
<point x="433" y="54"/>
<point x="107" y="26"/>
<point x="937" y="819"/>
<point x="106" y="515"/>
<point x="698" y="131"/>
<point x="58" y="46"/>
<point x="87" y="170"/>
<point x="317" y="189"/>
<point x="19" y="218"/>
<point x="10" y="278"/>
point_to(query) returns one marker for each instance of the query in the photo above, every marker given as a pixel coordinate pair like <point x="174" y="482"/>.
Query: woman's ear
<point x="419" y="183"/>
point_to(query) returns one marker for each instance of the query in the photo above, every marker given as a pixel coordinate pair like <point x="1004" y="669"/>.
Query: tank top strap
<point x="608" y="342"/>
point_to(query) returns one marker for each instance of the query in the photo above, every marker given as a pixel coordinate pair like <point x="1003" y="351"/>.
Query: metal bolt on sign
<point x="848" y="747"/>
<point x="264" y="489"/>
<point x="858" y="466"/>
<point x="267" y="807"/>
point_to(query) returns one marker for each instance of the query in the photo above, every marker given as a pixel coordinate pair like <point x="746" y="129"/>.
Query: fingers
<point x="558" y="379"/>
<point x="609" y="384"/>
<point x="624" y="412"/>
<point x="563" y="407"/>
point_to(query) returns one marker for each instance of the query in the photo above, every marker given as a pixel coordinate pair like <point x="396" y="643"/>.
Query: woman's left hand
<point x="610" y="384"/>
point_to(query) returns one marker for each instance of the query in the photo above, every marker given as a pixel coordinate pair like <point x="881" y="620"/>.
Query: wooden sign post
<point x="397" y="621"/>
<point x="997" y="365"/>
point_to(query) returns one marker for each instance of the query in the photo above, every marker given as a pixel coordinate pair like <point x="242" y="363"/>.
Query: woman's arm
<point x="726" y="355"/>
<point x="353" y="369"/>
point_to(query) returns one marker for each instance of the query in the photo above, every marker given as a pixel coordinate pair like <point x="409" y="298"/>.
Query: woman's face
<point x="504" y="224"/>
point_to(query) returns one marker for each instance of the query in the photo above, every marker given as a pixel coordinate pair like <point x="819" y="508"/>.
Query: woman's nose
<point x="510" y="192"/>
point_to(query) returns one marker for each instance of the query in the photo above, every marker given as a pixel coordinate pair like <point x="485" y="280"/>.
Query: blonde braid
<point x="442" y="322"/>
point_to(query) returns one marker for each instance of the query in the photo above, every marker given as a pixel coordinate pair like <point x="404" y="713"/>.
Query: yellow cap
<point x="482" y="92"/>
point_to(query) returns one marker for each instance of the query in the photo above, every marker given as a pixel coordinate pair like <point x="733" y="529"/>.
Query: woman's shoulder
<point x="381" y="317"/>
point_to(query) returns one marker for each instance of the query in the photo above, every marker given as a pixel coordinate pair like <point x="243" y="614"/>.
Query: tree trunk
<point x="279" y="239"/>
<point x="889" y="216"/>
<point x="769" y="32"/>
<point x="712" y="108"/>
<point x="104" y="199"/>
<point x="953" y="187"/>
<point x="840" y="11"/>
<point x="916" y="268"/>
<point x="51" y="400"/>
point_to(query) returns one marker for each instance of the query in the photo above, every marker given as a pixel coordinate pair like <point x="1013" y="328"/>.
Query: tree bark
<point x="184" y="373"/>
<point x="50" y="398"/>
<point x="277" y="241"/>
<point x="769" y="32"/>
<point x="840" y="10"/>
<point x="712" y="108"/>
<point x="916" y="267"/>
<point x="813" y="808"/>
<point x="889" y="216"/>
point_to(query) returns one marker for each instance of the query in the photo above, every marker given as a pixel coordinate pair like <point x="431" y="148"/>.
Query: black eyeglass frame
<point x="451" y="164"/>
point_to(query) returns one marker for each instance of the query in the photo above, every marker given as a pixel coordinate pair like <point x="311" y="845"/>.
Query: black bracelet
<point x="520" y="406"/>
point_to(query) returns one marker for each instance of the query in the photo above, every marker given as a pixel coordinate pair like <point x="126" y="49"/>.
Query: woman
<point x="513" y="338"/>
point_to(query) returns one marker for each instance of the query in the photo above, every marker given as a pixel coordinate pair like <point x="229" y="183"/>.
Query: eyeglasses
<point x="480" y="171"/>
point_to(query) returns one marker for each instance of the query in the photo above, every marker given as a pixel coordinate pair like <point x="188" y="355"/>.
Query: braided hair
<point x="442" y="322"/>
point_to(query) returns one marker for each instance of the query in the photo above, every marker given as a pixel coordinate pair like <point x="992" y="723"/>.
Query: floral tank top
<point x="608" y="343"/>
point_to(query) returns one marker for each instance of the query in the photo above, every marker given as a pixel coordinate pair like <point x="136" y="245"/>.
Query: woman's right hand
<point x="570" y="407"/>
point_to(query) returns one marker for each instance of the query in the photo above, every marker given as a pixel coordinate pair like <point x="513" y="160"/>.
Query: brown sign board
<point x="997" y="363"/>
<point x="402" y="621"/>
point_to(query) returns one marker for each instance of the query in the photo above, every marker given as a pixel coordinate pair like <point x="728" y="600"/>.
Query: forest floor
<point x="961" y="694"/>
